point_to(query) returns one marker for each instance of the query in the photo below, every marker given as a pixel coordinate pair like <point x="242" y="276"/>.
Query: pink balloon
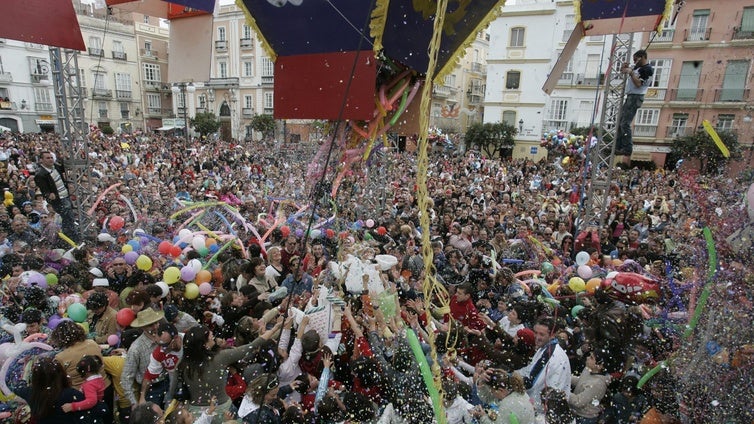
<point x="205" y="289"/>
<point x="370" y="223"/>
<point x="113" y="340"/>
<point x="585" y="272"/>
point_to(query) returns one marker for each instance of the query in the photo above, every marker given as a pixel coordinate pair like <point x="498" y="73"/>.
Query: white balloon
<point x="582" y="258"/>
<point x="195" y="264"/>
<point x="198" y="242"/>
<point x="105" y="237"/>
<point x="164" y="286"/>
<point x="184" y="235"/>
<point x="139" y="231"/>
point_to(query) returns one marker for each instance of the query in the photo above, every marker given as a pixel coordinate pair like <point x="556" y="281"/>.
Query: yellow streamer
<point x="716" y="138"/>
<point x="67" y="239"/>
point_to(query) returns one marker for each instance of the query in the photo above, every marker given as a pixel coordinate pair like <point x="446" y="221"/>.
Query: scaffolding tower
<point x="69" y="98"/>
<point x="602" y="155"/>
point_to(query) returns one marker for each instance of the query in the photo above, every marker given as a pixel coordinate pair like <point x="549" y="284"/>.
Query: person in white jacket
<point x="457" y="409"/>
<point x="589" y="388"/>
<point x="506" y="395"/>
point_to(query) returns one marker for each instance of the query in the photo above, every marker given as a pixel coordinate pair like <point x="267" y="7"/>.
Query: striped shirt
<point x="59" y="185"/>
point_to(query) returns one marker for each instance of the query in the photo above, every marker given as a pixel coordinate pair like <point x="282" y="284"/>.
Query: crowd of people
<point x="300" y="307"/>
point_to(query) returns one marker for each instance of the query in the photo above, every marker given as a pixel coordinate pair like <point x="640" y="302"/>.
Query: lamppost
<point x="520" y="126"/>
<point x="182" y="87"/>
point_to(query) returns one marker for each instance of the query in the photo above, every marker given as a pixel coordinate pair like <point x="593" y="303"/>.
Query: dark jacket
<point x="46" y="183"/>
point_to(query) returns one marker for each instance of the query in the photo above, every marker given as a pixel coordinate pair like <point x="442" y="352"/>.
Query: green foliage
<point x="107" y="130"/>
<point x="265" y="124"/>
<point x="205" y="123"/>
<point x="494" y="139"/>
<point x="700" y="147"/>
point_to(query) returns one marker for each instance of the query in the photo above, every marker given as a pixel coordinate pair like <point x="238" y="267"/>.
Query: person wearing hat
<point x="139" y="356"/>
<point x="165" y="357"/>
<point x="182" y="321"/>
<point x="102" y="285"/>
<point x="102" y="317"/>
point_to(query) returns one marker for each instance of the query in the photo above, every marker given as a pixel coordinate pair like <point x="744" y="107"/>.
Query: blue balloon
<point x="213" y="248"/>
<point x="135" y="244"/>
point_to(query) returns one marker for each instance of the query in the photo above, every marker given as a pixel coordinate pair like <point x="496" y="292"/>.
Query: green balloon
<point x="77" y="312"/>
<point x="51" y="279"/>
<point x="202" y="251"/>
<point x="547" y="268"/>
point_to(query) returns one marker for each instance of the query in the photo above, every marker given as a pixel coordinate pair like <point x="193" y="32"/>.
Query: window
<point x="725" y="122"/>
<point x="517" y="37"/>
<point x="747" y="20"/>
<point x="678" y="125"/>
<point x="662" y="72"/>
<point x="42" y="102"/>
<point x="147" y="46"/>
<point x="99" y="81"/>
<point x="102" y="107"/>
<point x="592" y="70"/>
<point x="154" y="105"/>
<point x="570" y="23"/>
<point x="123" y="82"/>
<point x="698" y="30"/>
<point x="268" y="67"/>
<point x="95" y="43"/>
<point x="117" y="46"/>
<point x="512" y="80"/>
<point x="248" y="68"/>
<point x="509" y="117"/>
<point x="246" y="30"/>
<point x="152" y="73"/>
<point x="734" y="82"/>
<point x="82" y="76"/>
<point x="146" y="19"/>
<point x="450" y="80"/>
<point x="220" y="33"/>
<point x="202" y="101"/>
<point x="268" y="100"/>
<point x="688" y="84"/>
<point x="124" y="110"/>
<point x="222" y="69"/>
<point x="646" y="121"/>
<point x="557" y="114"/>
<point x="567" y="74"/>
<point x="248" y="102"/>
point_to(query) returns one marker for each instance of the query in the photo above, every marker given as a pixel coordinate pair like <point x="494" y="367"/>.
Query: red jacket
<point x="235" y="387"/>
<point x="466" y="313"/>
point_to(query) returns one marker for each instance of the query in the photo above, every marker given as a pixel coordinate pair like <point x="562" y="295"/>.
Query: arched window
<point x="225" y="109"/>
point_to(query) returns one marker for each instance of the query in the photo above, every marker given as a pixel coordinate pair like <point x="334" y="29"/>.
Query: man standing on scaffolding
<point x="636" y="87"/>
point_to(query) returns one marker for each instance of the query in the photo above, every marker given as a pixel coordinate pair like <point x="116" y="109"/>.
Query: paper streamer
<point x="716" y="138"/>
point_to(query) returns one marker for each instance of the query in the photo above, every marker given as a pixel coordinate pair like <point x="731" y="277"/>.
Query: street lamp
<point x="182" y="87"/>
<point x="520" y="126"/>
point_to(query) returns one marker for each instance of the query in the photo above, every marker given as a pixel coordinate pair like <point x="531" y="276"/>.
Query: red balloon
<point x="381" y="231"/>
<point x="125" y="317"/>
<point x="164" y="247"/>
<point x="175" y="251"/>
<point x="116" y="223"/>
<point x="329" y="233"/>
<point x="285" y="230"/>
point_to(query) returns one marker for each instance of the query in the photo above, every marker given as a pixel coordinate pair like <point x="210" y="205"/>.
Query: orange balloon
<point x="209" y="241"/>
<point x="203" y="276"/>
<point x="218" y="275"/>
<point x="592" y="285"/>
<point x="553" y="288"/>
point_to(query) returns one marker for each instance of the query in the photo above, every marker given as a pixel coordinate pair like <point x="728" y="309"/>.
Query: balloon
<point x="131" y="257"/>
<point x="51" y="279"/>
<point x="381" y="231"/>
<point x="577" y="284"/>
<point x="113" y="340"/>
<point x="77" y="312"/>
<point x="34" y="278"/>
<point x="105" y="237"/>
<point x="203" y="276"/>
<point x="285" y="230"/>
<point x="164" y="286"/>
<point x="171" y="275"/>
<point x="135" y="244"/>
<point x="116" y="223"/>
<point x="209" y="241"/>
<point x="205" y="289"/>
<point x="584" y="272"/>
<point x="184" y="235"/>
<point x="592" y="285"/>
<point x="125" y="317"/>
<point x="575" y="310"/>
<point x="203" y="251"/>
<point x="214" y="248"/>
<point x="53" y="321"/>
<point x="582" y="258"/>
<point x="316" y="234"/>
<point x="426" y="372"/>
<point x="547" y="268"/>
<point x="566" y="160"/>
<point x="164" y="247"/>
<point x="299" y="232"/>
<point x="175" y="251"/>
<point x="191" y="292"/>
<point x="85" y="326"/>
<point x="126" y="248"/>
<point x="144" y="263"/>
<point x="187" y="273"/>
<point x="631" y="287"/>
<point x="329" y="233"/>
<point x="198" y="242"/>
<point x="195" y="264"/>
<point x="370" y="223"/>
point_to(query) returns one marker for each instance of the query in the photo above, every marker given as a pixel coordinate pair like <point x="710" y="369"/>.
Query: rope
<point x="431" y="287"/>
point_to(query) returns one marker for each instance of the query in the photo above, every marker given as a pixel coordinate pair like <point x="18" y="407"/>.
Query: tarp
<point x="47" y="22"/>
<point x="165" y="9"/>
<point x="602" y="17"/>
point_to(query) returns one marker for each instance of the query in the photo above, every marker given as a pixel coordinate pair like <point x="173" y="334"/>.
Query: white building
<point x="525" y="43"/>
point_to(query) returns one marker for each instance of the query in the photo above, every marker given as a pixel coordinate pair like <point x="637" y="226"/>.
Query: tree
<point x="700" y="147"/>
<point x="107" y="130"/>
<point x="265" y="124"/>
<point x="205" y="123"/>
<point x="494" y="139"/>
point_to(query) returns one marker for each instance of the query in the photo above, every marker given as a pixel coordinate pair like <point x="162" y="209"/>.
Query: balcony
<point x="102" y="93"/>
<point x="247" y="43"/>
<point x="103" y="113"/>
<point x="125" y="114"/>
<point x="441" y="91"/>
<point x="123" y="94"/>
<point x="7" y="105"/>
<point x="149" y="53"/>
<point x="94" y="51"/>
<point x="154" y="111"/>
<point x="477" y="67"/>
<point x="269" y="110"/>
<point x="43" y="107"/>
<point x="120" y="55"/>
<point x="6" y="77"/>
<point x="739" y="34"/>
<point x="221" y="45"/>
<point x="645" y="130"/>
<point x="153" y="85"/>
<point x="590" y="80"/>
<point x="665" y="36"/>
<point x="475" y="99"/>
<point x="38" y="78"/>
<point x="685" y="94"/>
<point x="731" y="95"/>
<point x="201" y="109"/>
<point x="268" y="79"/>
<point x="675" y="132"/>
<point x="697" y="35"/>
<point x="247" y="111"/>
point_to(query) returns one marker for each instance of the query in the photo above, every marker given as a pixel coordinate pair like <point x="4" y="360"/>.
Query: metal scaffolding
<point x="69" y="98"/>
<point x="602" y="154"/>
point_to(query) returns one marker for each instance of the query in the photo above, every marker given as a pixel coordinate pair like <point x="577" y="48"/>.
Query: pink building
<point x="703" y="70"/>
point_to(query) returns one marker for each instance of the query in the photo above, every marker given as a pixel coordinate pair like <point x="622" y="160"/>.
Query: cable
<point x="99" y="62"/>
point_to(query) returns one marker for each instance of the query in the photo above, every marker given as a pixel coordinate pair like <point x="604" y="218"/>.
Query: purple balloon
<point x="299" y="232"/>
<point x="54" y="321"/>
<point x="36" y="278"/>
<point x="187" y="273"/>
<point x="130" y="257"/>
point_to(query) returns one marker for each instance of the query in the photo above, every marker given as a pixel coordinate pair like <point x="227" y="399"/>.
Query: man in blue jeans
<point x="636" y="87"/>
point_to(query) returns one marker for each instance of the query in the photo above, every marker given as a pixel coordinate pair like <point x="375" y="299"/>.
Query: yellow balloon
<point x="171" y="275"/>
<point x="126" y="248"/>
<point x="144" y="263"/>
<point x="577" y="284"/>
<point x="191" y="292"/>
<point x="566" y="160"/>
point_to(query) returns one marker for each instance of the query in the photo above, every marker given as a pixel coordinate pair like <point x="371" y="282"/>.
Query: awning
<point x="46" y="122"/>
